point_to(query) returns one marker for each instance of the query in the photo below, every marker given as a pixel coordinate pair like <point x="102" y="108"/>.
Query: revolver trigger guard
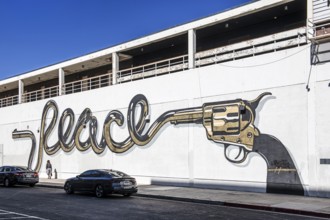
<point x="245" y="152"/>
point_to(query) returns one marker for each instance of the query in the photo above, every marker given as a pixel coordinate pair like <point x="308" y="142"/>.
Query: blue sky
<point x="38" y="33"/>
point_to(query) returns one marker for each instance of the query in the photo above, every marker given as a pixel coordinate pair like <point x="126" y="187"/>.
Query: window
<point x="96" y="173"/>
<point x="23" y="169"/>
<point x="87" y="173"/>
<point x="117" y="174"/>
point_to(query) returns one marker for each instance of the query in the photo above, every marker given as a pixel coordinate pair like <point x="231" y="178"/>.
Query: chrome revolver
<point x="228" y="122"/>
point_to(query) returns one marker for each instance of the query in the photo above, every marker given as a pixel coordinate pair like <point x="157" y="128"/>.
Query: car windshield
<point x="22" y="169"/>
<point x="116" y="173"/>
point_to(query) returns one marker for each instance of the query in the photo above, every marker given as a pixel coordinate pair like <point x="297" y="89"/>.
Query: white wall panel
<point x="322" y="141"/>
<point x="182" y="154"/>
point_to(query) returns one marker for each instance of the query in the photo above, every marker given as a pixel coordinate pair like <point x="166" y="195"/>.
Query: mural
<point x="230" y="123"/>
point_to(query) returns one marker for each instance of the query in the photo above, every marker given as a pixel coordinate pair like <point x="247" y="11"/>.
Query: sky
<point x="38" y="33"/>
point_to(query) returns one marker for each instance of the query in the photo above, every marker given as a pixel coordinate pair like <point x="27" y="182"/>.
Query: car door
<point x="1" y="174"/>
<point x="90" y="180"/>
<point x="7" y="173"/>
<point x="81" y="182"/>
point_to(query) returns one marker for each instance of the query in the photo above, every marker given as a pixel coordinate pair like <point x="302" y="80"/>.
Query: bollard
<point x="55" y="174"/>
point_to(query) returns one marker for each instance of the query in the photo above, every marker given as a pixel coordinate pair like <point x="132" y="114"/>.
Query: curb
<point x="221" y="203"/>
<point x="279" y="210"/>
<point x="49" y="186"/>
<point x="238" y="205"/>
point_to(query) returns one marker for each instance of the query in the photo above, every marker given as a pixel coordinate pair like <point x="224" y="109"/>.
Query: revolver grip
<point x="282" y="174"/>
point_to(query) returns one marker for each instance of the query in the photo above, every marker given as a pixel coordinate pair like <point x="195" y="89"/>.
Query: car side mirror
<point x="78" y="176"/>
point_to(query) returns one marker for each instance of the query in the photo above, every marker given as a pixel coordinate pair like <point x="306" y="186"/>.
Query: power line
<point x="264" y="64"/>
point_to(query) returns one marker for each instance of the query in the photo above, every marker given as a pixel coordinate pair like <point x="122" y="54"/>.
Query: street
<point x="21" y="202"/>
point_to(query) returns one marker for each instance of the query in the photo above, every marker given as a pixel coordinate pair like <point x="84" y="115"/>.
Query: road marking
<point x="16" y="215"/>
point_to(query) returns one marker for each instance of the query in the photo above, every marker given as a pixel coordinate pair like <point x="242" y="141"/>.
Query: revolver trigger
<point x="239" y="153"/>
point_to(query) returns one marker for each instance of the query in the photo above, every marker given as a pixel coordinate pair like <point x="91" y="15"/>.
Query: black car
<point x="102" y="182"/>
<point x="11" y="175"/>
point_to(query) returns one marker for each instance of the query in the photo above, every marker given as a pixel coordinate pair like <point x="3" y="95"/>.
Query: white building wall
<point x="182" y="154"/>
<point x="322" y="104"/>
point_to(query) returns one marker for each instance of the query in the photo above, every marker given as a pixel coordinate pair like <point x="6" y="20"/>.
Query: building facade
<point x="237" y="100"/>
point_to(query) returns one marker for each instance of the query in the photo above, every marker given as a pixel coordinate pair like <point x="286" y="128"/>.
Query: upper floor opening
<point x="250" y="30"/>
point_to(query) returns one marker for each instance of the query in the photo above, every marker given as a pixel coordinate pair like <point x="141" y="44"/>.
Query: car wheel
<point x="99" y="191"/>
<point x="32" y="184"/>
<point x="6" y="182"/>
<point x="127" y="194"/>
<point x="68" y="188"/>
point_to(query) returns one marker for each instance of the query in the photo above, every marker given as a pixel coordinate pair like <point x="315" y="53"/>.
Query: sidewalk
<point x="310" y="206"/>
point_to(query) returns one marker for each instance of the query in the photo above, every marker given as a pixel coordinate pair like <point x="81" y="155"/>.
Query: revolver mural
<point x="230" y="123"/>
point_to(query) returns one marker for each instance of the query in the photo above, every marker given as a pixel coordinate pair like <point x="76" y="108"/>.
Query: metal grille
<point x="40" y="94"/>
<point x="9" y="101"/>
<point x="88" y="84"/>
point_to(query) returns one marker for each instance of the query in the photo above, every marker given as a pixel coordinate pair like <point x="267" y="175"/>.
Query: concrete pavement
<point x="310" y="206"/>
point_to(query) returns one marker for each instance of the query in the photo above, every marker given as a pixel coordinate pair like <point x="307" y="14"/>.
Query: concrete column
<point x="61" y="82"/>
<point x="191" y="48"/>
<point x="310" y="18"/>
<point x="191" y="149"/>
<point x="20" y="91"/>
<point x="309" y="9"/>
<point x="115" y="67"/>
<point x="313" y="158"/>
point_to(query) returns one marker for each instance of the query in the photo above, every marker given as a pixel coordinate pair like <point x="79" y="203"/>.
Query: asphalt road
<point x="22" y="202"/>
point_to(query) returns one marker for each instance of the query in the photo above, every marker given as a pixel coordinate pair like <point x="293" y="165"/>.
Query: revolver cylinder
<point x="230" y="123"/>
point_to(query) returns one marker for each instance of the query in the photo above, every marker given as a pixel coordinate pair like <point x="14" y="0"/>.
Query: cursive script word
<point x="136" y="126"/>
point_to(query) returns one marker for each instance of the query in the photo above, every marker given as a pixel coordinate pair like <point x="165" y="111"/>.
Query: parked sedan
<point x="11" y="175"/>
<point x="102" y="182"/>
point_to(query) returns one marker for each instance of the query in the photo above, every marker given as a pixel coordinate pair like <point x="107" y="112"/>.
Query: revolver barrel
<point x="188" y="115"/>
